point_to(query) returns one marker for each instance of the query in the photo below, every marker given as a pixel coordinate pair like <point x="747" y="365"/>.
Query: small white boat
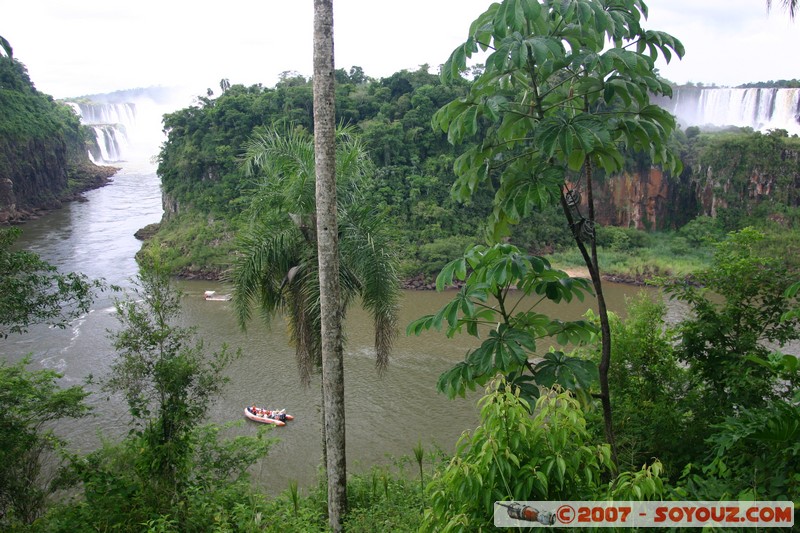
<point x="212" y="295"/>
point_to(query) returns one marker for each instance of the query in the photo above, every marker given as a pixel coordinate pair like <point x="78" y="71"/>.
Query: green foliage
<point x="543" y="231"/>
<point x="277" y="270"/>
<point x="749" y="173"/>
<point x="119" y="493"/>
<point x="41" y="140"/>
<point x="566" y="91"/>
<point x="434" y="255"/>
<point x="652" y="391"/>
<point x="165" y="377"/>
<point x="521" y="454"/>
<point x="554" y="98"/>
<point x="192" y="244"/>
<point x="30" y="402"/>
<point x="25" y="113"/>
<point x="34" y="292"/>
<point x="703" y="230"/>
<point x="171" y="473"/>
<point x="667" y="255"/>
<point x="737" y="306"/>
<point x="201" y="172"/>
<point x="384" y="501"/>
<point x="622" y="239"/>
<point x="755" y="455"/>
<point x="415" y="166"/>
<point x="762" y="446"/>
<point x="502" y="287"/>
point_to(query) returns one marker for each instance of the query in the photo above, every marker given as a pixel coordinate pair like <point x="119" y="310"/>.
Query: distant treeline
<point x="780" y="84"/>
<point x="201" y="172"/>
<point x="207" y="192"/>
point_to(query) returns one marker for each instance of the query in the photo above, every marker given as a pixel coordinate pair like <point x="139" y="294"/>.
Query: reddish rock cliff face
<point x="651" y="200"/>
<point x="648" y="200"/>
<point x="726" y="174"/>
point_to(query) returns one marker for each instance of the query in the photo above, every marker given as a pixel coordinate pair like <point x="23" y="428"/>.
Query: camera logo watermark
<point x="643" y="514"/>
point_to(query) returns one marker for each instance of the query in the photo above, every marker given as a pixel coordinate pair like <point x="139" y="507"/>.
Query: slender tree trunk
<point x="605" y="327"/>
<point x="328" y="253"/>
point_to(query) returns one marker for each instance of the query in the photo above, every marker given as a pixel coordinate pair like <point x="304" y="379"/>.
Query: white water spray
<point x="760" y="109"/>
<point x="127" y="124"/>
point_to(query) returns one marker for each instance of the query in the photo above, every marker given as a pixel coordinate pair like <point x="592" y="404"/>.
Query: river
<point x="386" y="416"/>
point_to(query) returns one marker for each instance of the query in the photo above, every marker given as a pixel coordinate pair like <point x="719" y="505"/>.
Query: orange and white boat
<point x="267" y="416"/>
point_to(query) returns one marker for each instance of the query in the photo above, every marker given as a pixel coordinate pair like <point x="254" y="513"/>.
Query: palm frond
<point x="365" y="249"/>
<point x="259" y="272"/>
<point x="283" y="160"/>
<point x="790" y="6"/>
<point x="304" y="322"/>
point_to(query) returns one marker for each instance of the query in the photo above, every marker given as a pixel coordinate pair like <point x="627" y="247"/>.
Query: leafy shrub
<point x="435" y="255"/>
<point x="649" y="387"/>
<point x="516" y="454"/>
<point x="702" y="231"/>
<point x="679" y="246"/>
<point x="621" y="239"/>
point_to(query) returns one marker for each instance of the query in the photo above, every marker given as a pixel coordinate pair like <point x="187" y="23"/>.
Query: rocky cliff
<point x="645" y="199"/>
<point x="43" y="151"/>
<point x="725" y="174"/>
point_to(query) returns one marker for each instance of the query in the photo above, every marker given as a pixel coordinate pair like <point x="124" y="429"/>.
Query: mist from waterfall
<point x="127" y="124"/>
<point x="759" y="108"/>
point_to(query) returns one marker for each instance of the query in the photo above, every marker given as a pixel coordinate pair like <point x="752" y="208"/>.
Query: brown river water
<point x="386" y="416"/>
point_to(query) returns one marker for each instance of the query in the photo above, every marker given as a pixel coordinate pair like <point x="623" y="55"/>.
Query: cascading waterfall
<point x="110" y="142"/>
<point x="110" y="123"/>
<point x="761" y="109"/>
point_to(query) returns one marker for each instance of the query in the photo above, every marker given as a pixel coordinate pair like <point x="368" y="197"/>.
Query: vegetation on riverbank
<point x="706" y="409"/>
<point x="637" y="257"/>
<point x="663" y="384"/>
<point x="740" y="176"/>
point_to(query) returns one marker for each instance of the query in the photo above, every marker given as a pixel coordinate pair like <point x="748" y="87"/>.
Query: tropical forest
<point x="519" y="188"/>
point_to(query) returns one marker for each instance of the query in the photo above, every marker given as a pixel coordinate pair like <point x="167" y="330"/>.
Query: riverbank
<point x="638" y="279"/>
<point x="80" y="179"/>
<point x="201" y="247"/>
<point x="416" y="283"/>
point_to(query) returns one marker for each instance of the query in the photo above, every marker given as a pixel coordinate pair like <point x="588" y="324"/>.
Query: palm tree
<point x="789" y="5"/>
<point x="277" y="270"/>
<point x="332" y="304"/>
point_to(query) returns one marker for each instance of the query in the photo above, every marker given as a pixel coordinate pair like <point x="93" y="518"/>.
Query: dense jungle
<point x="460" y="182"/>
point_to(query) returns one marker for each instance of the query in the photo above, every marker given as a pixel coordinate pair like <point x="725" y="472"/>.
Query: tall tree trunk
<point x="328" y="253"/>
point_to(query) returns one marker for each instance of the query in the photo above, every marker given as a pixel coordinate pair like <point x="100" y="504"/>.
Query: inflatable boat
<point x="267" y="416"/>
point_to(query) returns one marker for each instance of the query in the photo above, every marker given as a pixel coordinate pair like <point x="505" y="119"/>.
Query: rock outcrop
<point x="43" y="149"/>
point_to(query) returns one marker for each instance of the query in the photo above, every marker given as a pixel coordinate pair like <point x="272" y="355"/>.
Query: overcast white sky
<point x="78" y="47"/>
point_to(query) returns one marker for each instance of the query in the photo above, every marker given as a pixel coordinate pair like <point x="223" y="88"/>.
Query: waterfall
<point x="127" y="123"/>
<point x="110" y="123"/>
<point x="111" y="143"/>
<point x="761" y="109"/>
